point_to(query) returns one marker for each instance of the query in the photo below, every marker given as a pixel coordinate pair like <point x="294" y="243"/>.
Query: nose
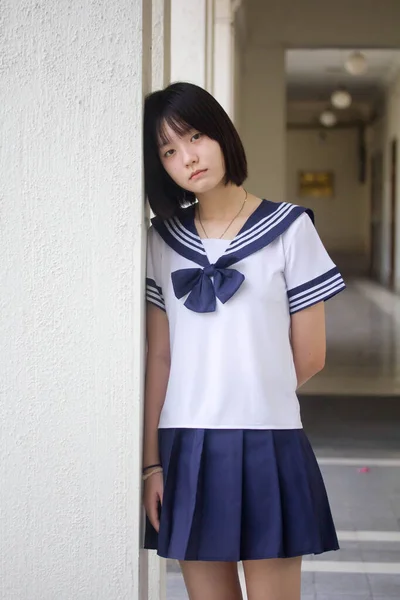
<point x="189" y="156"/>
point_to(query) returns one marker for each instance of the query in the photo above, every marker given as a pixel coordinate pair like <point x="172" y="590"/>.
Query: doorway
<point x="375" y="267"/>
<point x="392" y="216"/>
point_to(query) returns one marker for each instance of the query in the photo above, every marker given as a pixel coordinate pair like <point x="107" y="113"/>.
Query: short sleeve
<point x="311" y="275"/>
<point x="154" y="293"/>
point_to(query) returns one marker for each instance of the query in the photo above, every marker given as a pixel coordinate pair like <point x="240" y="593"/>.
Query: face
<point x="194" y="161"/>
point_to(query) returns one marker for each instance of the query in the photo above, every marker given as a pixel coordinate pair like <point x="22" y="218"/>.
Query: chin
<point x="202" y="187"/>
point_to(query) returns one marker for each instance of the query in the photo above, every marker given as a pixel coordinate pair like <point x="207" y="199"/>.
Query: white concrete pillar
<point x="71" y="319"/>
<point x="223" y="55"/>
<point x="240" y="44"/>
<point x="190" y="41"/>
<point x="263" y="121"/>
<point x="210" y="45"/>
<point x="161" y="44"/>
<point x="161" y="73"/>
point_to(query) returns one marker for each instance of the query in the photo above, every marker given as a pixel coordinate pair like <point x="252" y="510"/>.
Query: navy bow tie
<point x="202" y="290"/>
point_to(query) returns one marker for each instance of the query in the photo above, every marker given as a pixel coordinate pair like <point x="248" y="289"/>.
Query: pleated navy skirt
<point x="232" y="495"/>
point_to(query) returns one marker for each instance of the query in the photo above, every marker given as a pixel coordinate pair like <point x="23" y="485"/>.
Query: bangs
<point x="176" y="123"/>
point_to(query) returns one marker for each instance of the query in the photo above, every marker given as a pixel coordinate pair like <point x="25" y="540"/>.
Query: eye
<point x="196" y="136"/>
<point x="168" y="153"/>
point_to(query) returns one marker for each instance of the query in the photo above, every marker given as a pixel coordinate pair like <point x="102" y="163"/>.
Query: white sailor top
<point x="228" y="304"/>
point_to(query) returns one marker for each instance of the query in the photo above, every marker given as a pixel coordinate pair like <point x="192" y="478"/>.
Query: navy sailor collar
<point x="264" y="225"/>
<point x="202" y="286"/>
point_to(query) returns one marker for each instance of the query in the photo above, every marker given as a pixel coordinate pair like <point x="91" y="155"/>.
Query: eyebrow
<point x="180" y="133"/>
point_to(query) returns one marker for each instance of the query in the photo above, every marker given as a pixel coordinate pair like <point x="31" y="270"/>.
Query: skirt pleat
<point x="232" y="495"/>
<point x="262" y="497"/>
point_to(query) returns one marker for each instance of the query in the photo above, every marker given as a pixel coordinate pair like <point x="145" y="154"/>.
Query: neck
<point x="219" y="203"/>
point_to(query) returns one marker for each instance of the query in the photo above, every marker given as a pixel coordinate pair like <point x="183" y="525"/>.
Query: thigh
<point x="211" y="580"/>
<point x="273" y="579"/>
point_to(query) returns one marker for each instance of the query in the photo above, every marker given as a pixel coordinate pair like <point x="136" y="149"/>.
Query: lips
<point x="193" y="175"/>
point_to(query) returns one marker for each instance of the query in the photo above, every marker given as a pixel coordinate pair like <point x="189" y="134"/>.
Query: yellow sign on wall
<point x="315" y="184"/>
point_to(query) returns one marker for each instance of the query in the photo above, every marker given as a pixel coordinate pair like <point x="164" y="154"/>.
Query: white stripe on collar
<point x="179" y="233"/>
<point x="260" y="229"/>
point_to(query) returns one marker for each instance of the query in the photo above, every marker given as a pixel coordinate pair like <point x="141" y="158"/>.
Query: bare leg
<point x="209" y="580"/>
<point x="273" y="579"/>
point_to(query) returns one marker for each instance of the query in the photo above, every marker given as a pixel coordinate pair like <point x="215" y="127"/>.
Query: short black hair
<point x="185" y="106"/>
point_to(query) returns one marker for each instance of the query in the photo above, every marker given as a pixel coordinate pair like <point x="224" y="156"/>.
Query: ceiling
<point x="312" y="76"/>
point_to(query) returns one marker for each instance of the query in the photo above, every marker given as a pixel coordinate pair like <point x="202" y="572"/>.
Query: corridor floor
<point x="351" y="412"/>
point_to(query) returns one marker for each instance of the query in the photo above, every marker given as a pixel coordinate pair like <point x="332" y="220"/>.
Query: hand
<point x="153" y="497"/>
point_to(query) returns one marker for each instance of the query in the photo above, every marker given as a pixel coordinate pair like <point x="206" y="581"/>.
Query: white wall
<point x="381" y="135"/>
<point x="263" y="121"/>
<point x="343" y="221"/>
<point x="391" y="131"/>
<point x="72" y="238"/>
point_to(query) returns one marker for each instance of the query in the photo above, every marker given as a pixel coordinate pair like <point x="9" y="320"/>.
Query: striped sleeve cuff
<point x="154" y="294"/>
<point x="317" y="290"/>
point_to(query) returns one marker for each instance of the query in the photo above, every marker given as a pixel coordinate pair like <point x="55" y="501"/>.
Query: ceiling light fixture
<point x="341" y="98"/>
<point x="328" y="118"/>
<point x="356" y="63"/>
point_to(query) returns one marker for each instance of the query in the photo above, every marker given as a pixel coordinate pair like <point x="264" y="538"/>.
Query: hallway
<point x="351" y="412"/>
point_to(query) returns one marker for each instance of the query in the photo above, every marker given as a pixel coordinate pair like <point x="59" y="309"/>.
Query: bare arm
<point x="308" y="341"/>
<point x="157" y="374"/>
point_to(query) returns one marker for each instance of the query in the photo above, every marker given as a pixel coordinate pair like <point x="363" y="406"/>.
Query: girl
<point x="236" y="288"/>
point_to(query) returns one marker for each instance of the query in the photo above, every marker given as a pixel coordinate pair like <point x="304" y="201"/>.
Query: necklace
<point x="235" y="217"/>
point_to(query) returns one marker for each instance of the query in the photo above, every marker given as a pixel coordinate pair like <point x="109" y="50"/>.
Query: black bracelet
<point x="150" y="467"/>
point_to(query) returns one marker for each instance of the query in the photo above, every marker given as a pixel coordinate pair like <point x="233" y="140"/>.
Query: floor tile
<point x="345" y="596"/>
<point x="387" y="586"/>
<point x="342" y="583"/>
<point x="384" y="554"/>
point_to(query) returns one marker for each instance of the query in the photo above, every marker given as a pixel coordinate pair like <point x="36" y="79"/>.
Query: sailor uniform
<point x="240" y="478"/>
